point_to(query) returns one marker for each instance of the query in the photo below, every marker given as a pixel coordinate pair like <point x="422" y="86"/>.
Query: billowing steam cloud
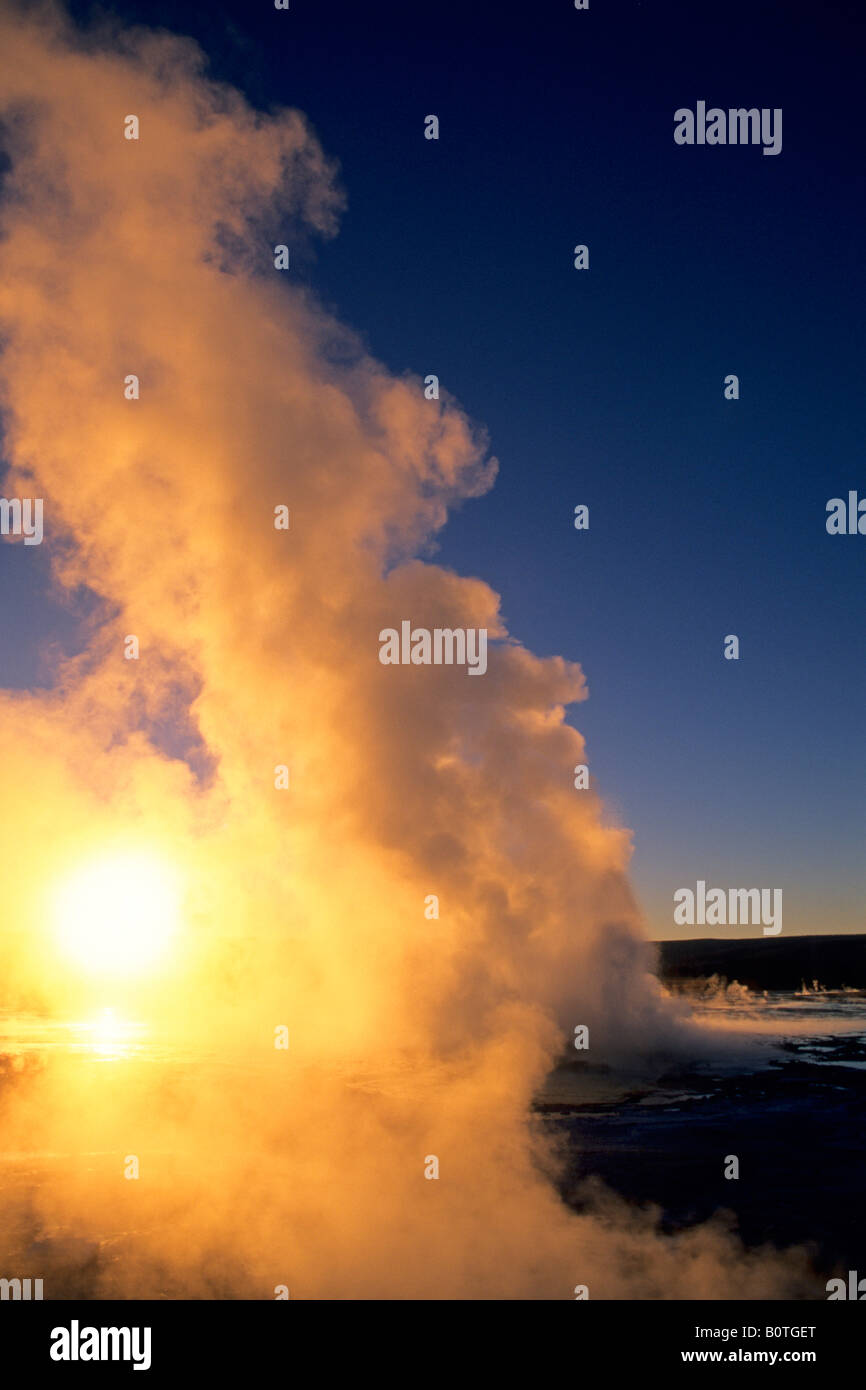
<point x="258" y="647"/>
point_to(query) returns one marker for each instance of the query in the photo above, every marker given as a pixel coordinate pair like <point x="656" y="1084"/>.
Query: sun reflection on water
<point x="108" y="1037"/>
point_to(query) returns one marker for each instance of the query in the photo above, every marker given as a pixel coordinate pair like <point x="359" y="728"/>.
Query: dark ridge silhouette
<point x="769" y="962"/>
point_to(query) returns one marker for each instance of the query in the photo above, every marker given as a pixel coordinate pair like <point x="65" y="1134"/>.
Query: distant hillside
<point x="769" y="962"/>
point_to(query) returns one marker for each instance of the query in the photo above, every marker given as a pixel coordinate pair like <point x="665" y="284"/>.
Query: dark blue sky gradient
<point x="605" y="387"/>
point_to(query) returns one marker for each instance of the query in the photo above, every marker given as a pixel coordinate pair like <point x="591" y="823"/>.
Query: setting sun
<point x="116" y="914"/>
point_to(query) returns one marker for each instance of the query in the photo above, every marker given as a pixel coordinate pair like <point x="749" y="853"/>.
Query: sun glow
<point x="117" y="914"/>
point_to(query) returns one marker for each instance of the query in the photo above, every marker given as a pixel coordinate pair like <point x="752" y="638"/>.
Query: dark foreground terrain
<point x="799" y="1137"/>
<point x="796" y="1119"/>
